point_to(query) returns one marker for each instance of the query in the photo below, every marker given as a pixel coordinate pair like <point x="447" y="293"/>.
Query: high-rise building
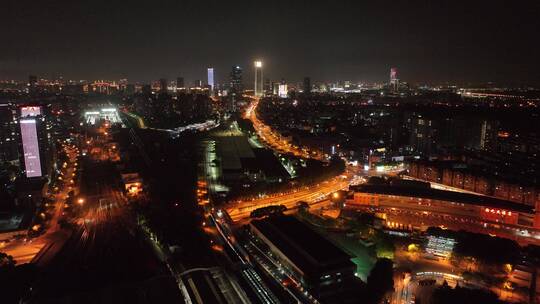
<point x="35" y="149"/>
<point x="146" y="89"/>
<point x="258" y="78"/>
<point x="236" y="80"/>
<point x="307" y="85"/>
<point x="275" y="88"/>
<point x="30" y="144"/>
<point x="8" y="133"/>
<point x="180" y="83"/>
<point x="283" y="91"/>
<point x="394" y="81"/>
<point x="32" y="84"/>
<point x="267" y="86"/>
<point x="422" y="133"/>
<point x="163" y="85"/>
<point x="211" y="79"/>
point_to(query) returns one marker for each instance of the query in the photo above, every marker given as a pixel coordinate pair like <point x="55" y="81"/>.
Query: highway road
<point x="241" y="210"/>
<point x="273" y="139"/>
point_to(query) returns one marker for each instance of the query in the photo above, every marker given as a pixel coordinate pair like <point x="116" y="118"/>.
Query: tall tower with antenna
<point x="259" y="92"/>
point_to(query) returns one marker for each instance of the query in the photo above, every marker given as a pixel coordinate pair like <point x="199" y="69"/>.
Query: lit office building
<point x="236" y="87"/>
<point x="236" y="79"/>
<point x="440" y="246"/>
<point x="8" y="133"/>
<point x="283" y="91"/>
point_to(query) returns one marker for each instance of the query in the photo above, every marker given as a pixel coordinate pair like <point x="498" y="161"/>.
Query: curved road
<point x="240" y="210"/>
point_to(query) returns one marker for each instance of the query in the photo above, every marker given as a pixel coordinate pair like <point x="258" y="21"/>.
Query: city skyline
<point x="360" y="42"/>
<point x="274" y="152"/>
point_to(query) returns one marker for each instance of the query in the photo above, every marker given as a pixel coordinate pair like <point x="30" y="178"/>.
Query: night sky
<point x="429" y="41"/>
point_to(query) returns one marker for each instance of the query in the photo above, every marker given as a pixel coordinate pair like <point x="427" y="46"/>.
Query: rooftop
<point x="444" y="195"/>
<point x="308" y="250"/>
<point x="231" y="149"/>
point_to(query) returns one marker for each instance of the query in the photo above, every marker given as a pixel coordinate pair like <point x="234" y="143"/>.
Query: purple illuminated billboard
<point x="32" y="163"/>
<point x="30" y="111"/>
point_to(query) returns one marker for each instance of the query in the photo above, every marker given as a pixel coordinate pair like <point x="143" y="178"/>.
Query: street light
<point x="80" y="201"/>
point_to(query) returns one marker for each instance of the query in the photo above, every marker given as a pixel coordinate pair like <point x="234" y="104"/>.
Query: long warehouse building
<point x="321" y="267"/>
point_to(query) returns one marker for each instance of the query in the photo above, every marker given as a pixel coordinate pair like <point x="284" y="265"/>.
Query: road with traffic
<point x="241" y="210"/>
<point x="273" y="139"/>
<point x="27" y="249"/>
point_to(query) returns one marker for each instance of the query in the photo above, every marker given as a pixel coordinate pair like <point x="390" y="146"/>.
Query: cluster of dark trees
<point x="448" y="295"/>
<point x="316" y="171"/>
<point x="268" y="210"/>
<point x="245" y="125"/>
<point x="380" y="284"/>
<point x="15" y="281"/>
<point x="380" y="280"/>
<point x="533" y="253"/>
<point x="172" y="212"/>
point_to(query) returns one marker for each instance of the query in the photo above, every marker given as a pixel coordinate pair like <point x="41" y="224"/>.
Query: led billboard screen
<point x="30" y="111"/>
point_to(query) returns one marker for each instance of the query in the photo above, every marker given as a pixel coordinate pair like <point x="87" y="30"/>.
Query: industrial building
<point x="322" y="268"/>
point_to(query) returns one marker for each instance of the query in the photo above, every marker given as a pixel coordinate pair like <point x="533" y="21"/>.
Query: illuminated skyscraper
<point x="211" y="79"/>
<point x="394" y="81"/>
<point x="236" y="80"/>
<point x="236" y="88"/>
<point x="259" y="79"/>
<point x="36" y="149"/>
<point x="30" y="143"/>
<point x="283" y="91"/>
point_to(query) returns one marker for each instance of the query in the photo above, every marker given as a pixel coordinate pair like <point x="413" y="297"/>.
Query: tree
<point x="381" y="279"/>
<point x="15" y="281"/>
<point x="6" y="261"/>
<point x="445" y="294"/>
